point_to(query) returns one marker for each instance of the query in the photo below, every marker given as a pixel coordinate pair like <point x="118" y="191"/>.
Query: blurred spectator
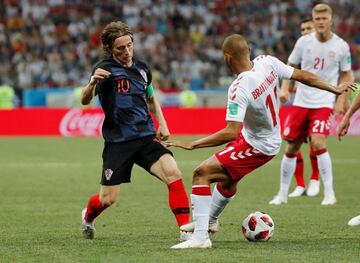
<point x="54" y="43"/>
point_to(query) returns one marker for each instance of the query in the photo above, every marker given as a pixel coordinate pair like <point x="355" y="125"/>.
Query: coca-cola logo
<point x="77" y="122"/>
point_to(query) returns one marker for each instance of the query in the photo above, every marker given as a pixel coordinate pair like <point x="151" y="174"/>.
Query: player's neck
<point x="128" y="65"/>
<point x="247" y="66"/>
<point x="323" y="37"/>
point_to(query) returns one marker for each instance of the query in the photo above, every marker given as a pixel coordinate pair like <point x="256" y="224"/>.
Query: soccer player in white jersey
<point x="326" y="55"/>
<point x="342" y="130"/>
<point x="306" y="27"/>
<point x="252" y="132"/>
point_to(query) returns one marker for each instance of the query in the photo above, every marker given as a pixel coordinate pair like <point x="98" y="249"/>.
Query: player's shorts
<point x="239" y="158"/>
<point x="302" y="122"/>
<point x="119" y="158"/>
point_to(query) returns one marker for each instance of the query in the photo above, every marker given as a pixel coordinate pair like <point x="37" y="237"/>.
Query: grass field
<point x="45" y="182"/>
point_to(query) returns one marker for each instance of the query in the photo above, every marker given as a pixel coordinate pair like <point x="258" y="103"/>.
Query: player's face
<point x="123" y="50"/>
<point x="322" y="22"/>
<point x="307" y="27"/>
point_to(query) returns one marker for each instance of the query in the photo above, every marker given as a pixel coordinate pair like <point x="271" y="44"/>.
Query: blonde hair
<point x="319" y="8"/>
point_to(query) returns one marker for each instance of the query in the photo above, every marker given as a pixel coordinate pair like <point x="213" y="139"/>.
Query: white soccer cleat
<point x="213" y="227"/>
<point x="329" y="200"/>
<point x="194" y="243"/>
<point x="184" y="235"/>
<point x="355" y="221"/>
<point x="278" y="200"/>
<point x="87" y="228"/>
<point x="299" y="191"/>
<point x="313" y="188"/>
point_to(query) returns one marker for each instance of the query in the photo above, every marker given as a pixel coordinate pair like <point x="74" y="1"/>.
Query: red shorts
<point x="239" y="158"/>
<point x="302" y="122"/>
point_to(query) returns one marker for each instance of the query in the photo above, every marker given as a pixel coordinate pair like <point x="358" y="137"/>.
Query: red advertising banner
<point x="87" y="122"/>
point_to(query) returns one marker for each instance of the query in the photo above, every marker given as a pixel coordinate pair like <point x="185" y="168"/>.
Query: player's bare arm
<point x="312" y="80"/>
<point x="285" y="87"/>
<point x="89" y="91"/>
<point x="345" y="123"/>
<point x="229" y="133"/>
<point x="342" y="103"/>
<point x="154" y="106"/>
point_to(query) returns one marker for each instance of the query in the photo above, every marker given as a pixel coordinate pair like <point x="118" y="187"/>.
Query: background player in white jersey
<point x="252" y="132"/>
<point x="326" y="55"/>
<point x="342" y="130"/>
<point x="306" y="27"/>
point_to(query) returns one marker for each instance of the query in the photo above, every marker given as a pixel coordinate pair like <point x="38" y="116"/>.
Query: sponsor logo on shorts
<point x="108" y="173"/>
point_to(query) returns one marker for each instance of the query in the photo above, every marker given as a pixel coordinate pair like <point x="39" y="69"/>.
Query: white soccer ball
<point x="258" y="226"/>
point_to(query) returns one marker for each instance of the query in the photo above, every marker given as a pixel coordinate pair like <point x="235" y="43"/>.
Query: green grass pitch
<point x="45" y="182"/>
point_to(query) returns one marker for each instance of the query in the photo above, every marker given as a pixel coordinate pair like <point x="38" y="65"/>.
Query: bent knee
<point x="107" y="200"/>
<point x="199" y="174"/>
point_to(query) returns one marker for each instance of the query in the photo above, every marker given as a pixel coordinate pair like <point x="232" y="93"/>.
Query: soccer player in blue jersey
<point x="124" y="87"/>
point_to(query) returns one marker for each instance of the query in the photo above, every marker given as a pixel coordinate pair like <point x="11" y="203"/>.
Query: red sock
<point x="94" y="208"/>
<point x="299" y="170"/>
<point x="179" y="202"/>
<point x="314" y="165"/>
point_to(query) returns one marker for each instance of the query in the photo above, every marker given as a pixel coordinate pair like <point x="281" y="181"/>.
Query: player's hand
<point x="163" y="133"/>
<point x="284" y="95"/>
<point x="180" y="144"/>
<point x="343" y="127"/>
<point x="99" y="74"/>
<point x="345" y="87"/>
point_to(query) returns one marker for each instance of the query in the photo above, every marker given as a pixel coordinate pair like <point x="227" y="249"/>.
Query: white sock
<point x="218" y="203"/>
<point x="287" y="170"/>
<point x="325" y="169"/>
<point x="201" y="209"/>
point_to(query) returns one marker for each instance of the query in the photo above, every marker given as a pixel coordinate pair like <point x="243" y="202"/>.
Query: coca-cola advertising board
<point x="88" y="122"/>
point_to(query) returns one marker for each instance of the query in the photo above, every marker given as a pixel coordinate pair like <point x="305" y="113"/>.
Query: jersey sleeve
<point x="283" y="71"/>
<point x="345" y="62"/>
<point x="236" y="108"/>
<point x="295" y="56"/>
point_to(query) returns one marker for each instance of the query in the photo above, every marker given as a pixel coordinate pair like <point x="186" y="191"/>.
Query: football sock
<point x="325" y="169"/>
<point x="179" y="202"/>
<point x="299" y="170"/>
<point x="94" y="208"/>
<point x="287" y="169"/>
<point x="220" y="198"/>
<point x="201" y="197"/>
<point x="314" y="165"/>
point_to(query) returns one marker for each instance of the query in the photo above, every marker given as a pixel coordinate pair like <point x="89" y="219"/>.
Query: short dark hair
<point x="111" y="32"/>
<point x="306" y="19"/>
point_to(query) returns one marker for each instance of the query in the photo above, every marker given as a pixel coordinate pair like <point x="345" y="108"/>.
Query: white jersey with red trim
<point x="324" y="59"/>
<point x="252" y="99"/>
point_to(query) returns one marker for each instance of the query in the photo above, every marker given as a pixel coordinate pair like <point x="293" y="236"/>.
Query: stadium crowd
<point x="54" y="43"/>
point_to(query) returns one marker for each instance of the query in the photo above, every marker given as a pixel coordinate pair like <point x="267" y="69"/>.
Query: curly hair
<point x="111" y="32"/>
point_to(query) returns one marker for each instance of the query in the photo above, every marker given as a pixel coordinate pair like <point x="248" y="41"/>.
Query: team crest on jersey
<point x="144" y="75"/>
<point x="108" y="173"/>
<point x="332" y="54"/>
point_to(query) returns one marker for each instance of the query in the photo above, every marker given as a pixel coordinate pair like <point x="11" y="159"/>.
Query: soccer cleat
<point x="87" y="228"/>
<point x="278" y="200"/>
<point x="299" y="191"/>
<point x="193" y="243"/>
<point x="213" y="227"/>
<point x="329" y="200"/>
<point x="355" y="221"/>
<point x="313" y="188"/>
<point x="184" y="235"/>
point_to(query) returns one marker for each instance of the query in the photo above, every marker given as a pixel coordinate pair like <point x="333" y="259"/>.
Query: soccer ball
<point x="258" y="226"/>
